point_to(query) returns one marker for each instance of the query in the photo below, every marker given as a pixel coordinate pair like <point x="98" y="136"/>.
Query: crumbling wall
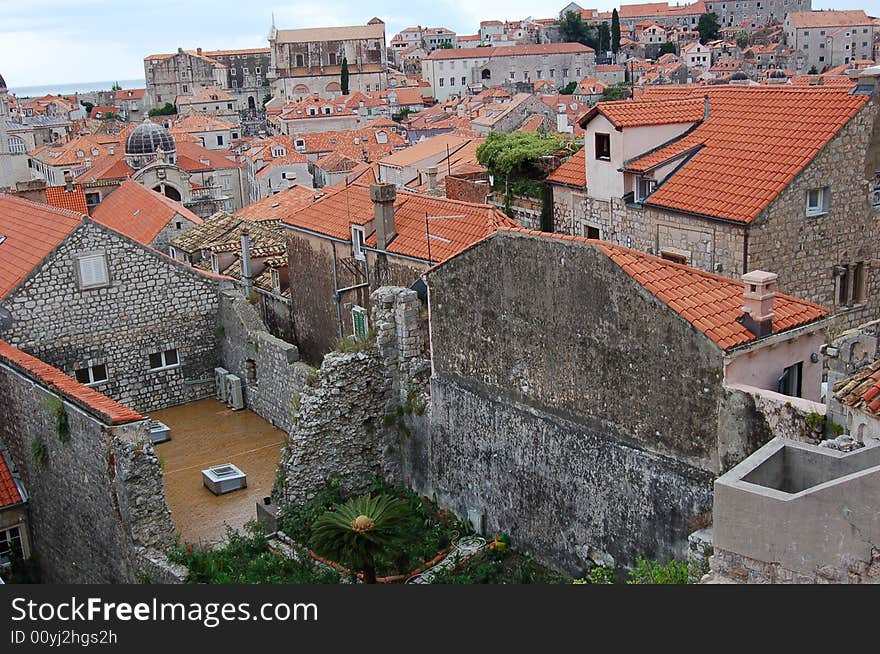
<point x="96" y="492"/>
<point x="270" y="370"/>
<point x="358" y="408"/>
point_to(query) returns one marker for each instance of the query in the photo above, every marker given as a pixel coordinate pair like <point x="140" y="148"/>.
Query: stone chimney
<point x="431" y="174"/>
<point x="383" y="196"/>
<point x="68" y="182"/>
<point x="759" y="296"/>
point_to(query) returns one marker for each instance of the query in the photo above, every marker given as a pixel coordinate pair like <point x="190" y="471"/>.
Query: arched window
<point x="485" y="74"/>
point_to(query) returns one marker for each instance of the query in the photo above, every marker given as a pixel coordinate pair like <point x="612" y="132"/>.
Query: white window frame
<point x="8" y="536"/>
<point x="820" y="208"/>
<point x="90" y="279"/>
<point x="358" y="237"/>
<point x="165" y="365"/>
<point x="93" y="380"/>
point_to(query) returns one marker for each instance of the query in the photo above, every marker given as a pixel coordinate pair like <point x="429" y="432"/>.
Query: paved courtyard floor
<point x="205" y="434"/>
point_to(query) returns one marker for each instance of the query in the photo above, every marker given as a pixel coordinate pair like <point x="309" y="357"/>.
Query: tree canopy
<point x="666" y="48"/>
<point x="616" y="92"/>
<point x="615" y="31"/>
<point x="168" y="110"/>
<point x="568" y="89"/>
<point x="518" y="153"/>
<point x="742" y="39"/>
<point x="708" y="28"/>
<point x="573" y="29"/>
<point x="343" y="77"/>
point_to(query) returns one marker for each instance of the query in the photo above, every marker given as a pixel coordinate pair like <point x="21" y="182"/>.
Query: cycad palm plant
<point x="358" y="529"/>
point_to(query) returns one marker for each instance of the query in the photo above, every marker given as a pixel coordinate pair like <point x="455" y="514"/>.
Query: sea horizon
<point x="69" y="88"/>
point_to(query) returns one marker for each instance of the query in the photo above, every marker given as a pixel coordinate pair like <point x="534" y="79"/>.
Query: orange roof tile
<point x="276" y="206"/>
<point x="352" y="143"/>
<point x="808" y="19"/>
<point x="711" y="303"/>
<point x="754" y="142"/>
<point x="29" y="231"/>
<point x="10" y="495"/>
<point x="191" y="157"/>
<point x="109" y="410"/>
<point x="422" y="150"/>
<point x="861" y="390"/>
<point x="73" y="200"/>
<point x="571" y="173"/>
<point x="140" y="213"/>
<point x="627" y="113"/>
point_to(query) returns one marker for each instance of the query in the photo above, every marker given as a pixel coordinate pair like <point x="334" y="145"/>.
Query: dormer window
<point x="603" y="147"/>
<point x="300" y="144"/>
<point x="328" y="111"/>
<point x="313" y="111"/>
<point x="80" y="153"/>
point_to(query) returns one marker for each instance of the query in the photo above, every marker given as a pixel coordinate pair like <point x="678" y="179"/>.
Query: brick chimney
<point x="759" y="296"/>
<point x="383" y="196"/>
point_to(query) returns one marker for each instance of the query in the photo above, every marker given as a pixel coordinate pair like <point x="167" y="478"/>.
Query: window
<point x="513" y="74"/>
<point x="299" y="61"/>
<point x="603" y="147"/>
<point x="332" y="58"/>
<point x="91" y="375"/>
<point x="464" y="81"/>
<point x="10" y="545"/>
<point x="258" y="70"/>
<point x="442" y="81"/>
<point x="185" y="88"/>
<point x="245" y="71"/>
<point x="359" y="322"/>
<point x="219" y="139"/>
<point x="789" y="382"/>
<point x="276" y="281"/>
<point x="644" y="187"/>
<point x="565" y="72"/>
<point x="592" y="232"/>
<point x="92" y="271"/>
<point x="850" y="283"/>
<point x="817" y="201"/>
<point x="163" y="360"/>
<point x="451" y="81"/>
<point x="357" y="243"/>
<point x="552" y="72"/>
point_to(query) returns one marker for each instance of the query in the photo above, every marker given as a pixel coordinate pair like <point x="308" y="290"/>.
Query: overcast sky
<point x="53" y="41"/>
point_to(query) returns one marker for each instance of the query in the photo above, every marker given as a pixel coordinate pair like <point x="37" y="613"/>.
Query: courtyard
<point x="205" y="434"/>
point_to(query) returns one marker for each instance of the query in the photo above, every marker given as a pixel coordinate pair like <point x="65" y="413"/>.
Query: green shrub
<point x="39" y="453"/>
<point x="602" y="574"/>
<point x="652" y="572"/>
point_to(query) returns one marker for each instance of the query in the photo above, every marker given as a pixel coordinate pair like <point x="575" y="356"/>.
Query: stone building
<point x="144" y="215"/>
<point x="96" y="499"/>
<point x="460" y="71"/>
<point x="309" y="61"/>
<point x="7" y="176"/>
<point x="242" y="73"/>
<point x="825" y="39"/>
<point x="759" y="12"/>
<point x="732" y="179"/>
<point x="108" y="311"/>
<point x="359" y="236"/>
<point x="534" y="429"/>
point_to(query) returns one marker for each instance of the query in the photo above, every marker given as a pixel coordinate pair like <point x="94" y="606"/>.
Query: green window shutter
<point x="359" y="320"/>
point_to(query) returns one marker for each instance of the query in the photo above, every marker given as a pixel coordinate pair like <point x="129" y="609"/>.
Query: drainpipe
<point x="246" y="262"/>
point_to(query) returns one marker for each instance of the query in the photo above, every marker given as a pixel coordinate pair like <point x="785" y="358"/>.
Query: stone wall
<point x="354" y="412"/>
<point x="804" y="250"/>
<point x="466" y="190"/>
<point x="729" y="567"/>
<point x="272" y="375"/>
<point x="97" y="502"/>
<point x="152" y="304"/>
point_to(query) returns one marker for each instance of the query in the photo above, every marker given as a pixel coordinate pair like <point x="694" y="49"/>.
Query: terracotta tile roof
<point x="108" y="410"/>
<point x="10" y="495"/>
<point x="191" y="157"/>
<point x="217" y="228"/>
<point x="110" y="167"/>
<point x="609" y="68"/>
<point x="202" y="95"/>
<point x="453" y="225"/>
<point x="312" y="34"/>
<point x="276" y="206"/>
<point x="509" y="51"/>
<point x="129" y="94"/>
<point x="711" y="303"/>
<point x="140" y="213"/>
<point x="300" y="110"/>
<point x="31" y="230"/>
<point x="571" y="173"/>
<point x="226" y="53"/>
<point x="202" y="123"/>
<point x="343" y="142"/>
<point x="74" y="200"/>
<point x="422" y="150"/>
<point x="862" y="390"/>
<point x="628" y="113"/>
<point x="808" y="19"/>
<point x="753" y="144"/>
<point x="335" y="162"/>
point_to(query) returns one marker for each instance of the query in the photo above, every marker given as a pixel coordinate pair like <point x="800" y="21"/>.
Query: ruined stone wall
<point x="97" y="500"/>
<point x="466" y="190"/>
<point x="729" y="567"/>
<point x="270" y="370"/>
<point x="355" y="412"/>
<point x="804" y="250"/>
<point x="151" y="304"/>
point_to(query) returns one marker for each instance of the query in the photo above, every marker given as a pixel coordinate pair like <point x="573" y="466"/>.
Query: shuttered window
<point x="359" y="320"/>
<point x="92" y="271"/>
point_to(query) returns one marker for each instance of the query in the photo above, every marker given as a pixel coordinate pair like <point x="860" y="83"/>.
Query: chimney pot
<point x="759" y="296"/>
<point x="431" y="173"/>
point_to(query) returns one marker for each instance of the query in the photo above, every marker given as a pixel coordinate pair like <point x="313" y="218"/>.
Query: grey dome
<point x="739" y="75"/>
<point x="148" y="138"/>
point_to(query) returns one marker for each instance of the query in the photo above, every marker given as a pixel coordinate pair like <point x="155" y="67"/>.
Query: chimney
<point x="199" y="51"/>
<point x="705" y="107"/>
<point x="383" y="196"/>
<point x="246" y="261"/>
<point x="179" y="50"/>
<point x="432" y="177"/>
<point x="68" y="182"/>
<point x="759" y="295"/>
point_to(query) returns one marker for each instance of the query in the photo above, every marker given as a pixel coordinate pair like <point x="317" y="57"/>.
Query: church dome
<point x="148" y="138"/>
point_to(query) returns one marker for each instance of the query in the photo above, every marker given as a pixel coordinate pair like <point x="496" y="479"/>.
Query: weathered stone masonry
<point x="151" y="304"/>
<point x="97" y="504"/>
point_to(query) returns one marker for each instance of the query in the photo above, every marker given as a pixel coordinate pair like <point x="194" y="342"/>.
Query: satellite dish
<point x="5" y="319"/>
